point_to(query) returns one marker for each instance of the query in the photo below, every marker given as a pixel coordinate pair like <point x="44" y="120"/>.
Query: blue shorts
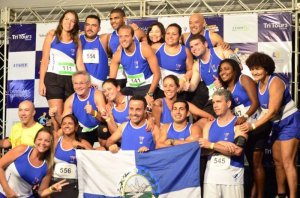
<point x="288" y="128"/>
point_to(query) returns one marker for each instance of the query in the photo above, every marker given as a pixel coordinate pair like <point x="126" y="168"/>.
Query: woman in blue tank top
<point x="162" y="107"/>
<point x="65" y="167"/>
<point x="26" y="169"/>
<point x="277" y="106"/>
<point x="62" y="57"/>
<point x="246" y="107"/>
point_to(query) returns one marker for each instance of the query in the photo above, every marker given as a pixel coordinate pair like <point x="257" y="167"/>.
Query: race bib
<point x="211" y="89"/>
<point x="240" y="110"/>
<point x="64" y="170"/>
<point x="135" y="80"/>
<point x="66" y="68"/>
<point x="91" y="56"/>
<point x="219" y="161"/>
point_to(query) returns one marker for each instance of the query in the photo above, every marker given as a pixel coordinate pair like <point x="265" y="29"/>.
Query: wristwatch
<point x="150" y="94"/>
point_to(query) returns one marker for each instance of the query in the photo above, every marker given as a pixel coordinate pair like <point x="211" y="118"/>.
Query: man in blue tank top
<point x="117" y="19"/>
<point x="223" y="143"/>
<point x="133" y="133"/>
<point x="94" y="49"/>
<point x="206" y="69"/>
<point x="140" y="65"/>
<point x="86" y="104"/>
<point x="179" y="131"/>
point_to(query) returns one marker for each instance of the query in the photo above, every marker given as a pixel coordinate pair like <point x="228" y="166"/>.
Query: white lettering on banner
<point x="22" y="36"/>
<point x="275" y="25"/>
<point x="20" y="93"/>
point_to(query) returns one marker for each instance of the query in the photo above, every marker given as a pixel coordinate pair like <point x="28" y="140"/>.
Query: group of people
<point x="145" y="99"/>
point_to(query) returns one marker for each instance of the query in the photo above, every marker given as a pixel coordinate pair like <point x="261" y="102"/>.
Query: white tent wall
<point x="43" y="11"/>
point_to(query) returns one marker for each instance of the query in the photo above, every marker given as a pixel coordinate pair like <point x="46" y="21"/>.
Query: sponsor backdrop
<point x="247" y="33"/>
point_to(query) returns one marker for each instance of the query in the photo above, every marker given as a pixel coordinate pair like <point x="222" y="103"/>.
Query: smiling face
<point x="110" y="91"/>
<point x="258" y="73"/>
<point x="137" y="111"/>
<point x="126" y="38"/>
<point x="43" y="141"/>
<point x="116" y="20"/>
<point x="179" y="112"/>
<point x="68" y="126"/>
<point x="226" y="72"/>
<point x="91" y="28"/>
<point x="68" y="22"/>
<point x="198" y="48"/>
<point x="155" y="34"/>
<point x="170" y="88"/>
<point x="172" y="36"/>
<point x="196" y="24"/>
<point x="81" y="85"/>
<point x="26" y="112"/>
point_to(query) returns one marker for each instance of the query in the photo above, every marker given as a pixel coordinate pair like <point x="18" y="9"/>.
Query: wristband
<point x="211" y="146"/>
<point x="95" y="113"/>
<point x="52" y="189"/>
<point x="253" y="126"/>
<point x="107" y="119"/>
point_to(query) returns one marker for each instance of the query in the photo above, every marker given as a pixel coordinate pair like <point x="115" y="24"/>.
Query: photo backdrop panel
<point x="21" y="65"/>
<point x="22" y="37"/>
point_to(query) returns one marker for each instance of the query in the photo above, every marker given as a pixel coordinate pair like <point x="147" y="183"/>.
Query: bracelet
<point x="211" y="146"/>
<point x="253" y="126"/>
<point x="95" y="113"/>
<point x="107" y="119"/>
<point x="184" y="79"/>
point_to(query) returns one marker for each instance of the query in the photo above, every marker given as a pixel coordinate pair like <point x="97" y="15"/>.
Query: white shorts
<point x="223" y="191"/>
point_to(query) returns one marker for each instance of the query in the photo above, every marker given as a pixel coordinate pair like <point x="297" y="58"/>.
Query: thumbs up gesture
<point x="52" y="111"/>
<point x="217" y="82"/>
<point x="88" y="108"/>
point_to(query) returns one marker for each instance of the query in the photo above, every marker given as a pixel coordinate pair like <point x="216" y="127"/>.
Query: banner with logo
<point x="246" y="33"/>
<point x="168" y="172"/>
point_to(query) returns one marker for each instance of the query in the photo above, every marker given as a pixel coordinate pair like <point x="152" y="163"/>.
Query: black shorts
<point x="257" y="139"/>
<point x="100" y="132"/>
<point x="138" y="91"/>
<point x="58" y="86"/>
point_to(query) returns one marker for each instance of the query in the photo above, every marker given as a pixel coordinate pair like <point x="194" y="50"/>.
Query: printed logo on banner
<point x="240" y="28"/>
<point x="19" y="90"/>
<point x="143" y="23"/>
<point x="243" y="50"/>
<point x="38" y="59"/>
<point x="41" y="31"/>
<point x="275" y="27"/>
<point x="21" y="65"/>
<point x="281" y="52"/>
<point x="42" y="117"/>
<point x="215" y="24"/>
<point x="22" y="38"/>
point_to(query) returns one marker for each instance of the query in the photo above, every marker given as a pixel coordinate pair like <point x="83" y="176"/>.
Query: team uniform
<point x="20" y="135"/>
<point x="172" y="133"/>
<point x="286" y="123"/>
<point x="21" y="175"/>
<point x="224" y="175"/>
<point x="171" y="64"/>
<point x="121" y="116"/>
<point x="89" y="125"/>
<point x="95" y="60"/>
<point x="258" y="138"/>
<point x="58" y="78"/>
<point x="65" y="168"/>
<point x="166" y="116"/>
<point x="138" y="72"/>
<point x="113" y="44"/>
<point x="134" y="138"/>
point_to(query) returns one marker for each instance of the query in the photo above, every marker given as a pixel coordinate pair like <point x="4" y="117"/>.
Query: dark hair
<point x="182" y="101"/>
<point x="119" y="11"/>
<point x="127" y="27"/>
<point x="75" y="30"/>
<point x="174" y="78"/>
<point x="112" y="81"/>
<point x="49" y="154"/>
<point x="93" y="16"/>
<point x="198" y="36"/>
<point x="75" y="123"/>
<point x="140" y="98"/>
<point x="261" y="59"/>
<point x="235" y="67"/>
<point x="162" y="29"/>
<point x="177" y="26"/>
